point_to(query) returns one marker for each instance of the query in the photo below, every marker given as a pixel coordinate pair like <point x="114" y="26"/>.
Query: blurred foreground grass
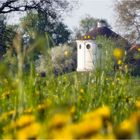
<point x="100" y="104"/>
<point x="54" y="107"/>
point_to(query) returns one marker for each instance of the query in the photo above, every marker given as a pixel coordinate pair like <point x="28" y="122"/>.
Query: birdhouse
<point x="87" y="55"/>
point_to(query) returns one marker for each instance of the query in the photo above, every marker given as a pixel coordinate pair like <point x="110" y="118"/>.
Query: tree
<point x="2" y="30"/>
<point x="42" y="24"/>
<point x="45" y="6"/>
<point x="51" y="9"/>
<point x="87" y="23"/>
<point x="7" y="34"/>
<point x="61" y="33"/>
<point x="128" y="17"/>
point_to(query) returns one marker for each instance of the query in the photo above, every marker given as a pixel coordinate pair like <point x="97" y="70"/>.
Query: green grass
<point x="21" y="91"/>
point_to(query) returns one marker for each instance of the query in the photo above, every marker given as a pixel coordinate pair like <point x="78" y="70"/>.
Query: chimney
<point x="101" y="23"/>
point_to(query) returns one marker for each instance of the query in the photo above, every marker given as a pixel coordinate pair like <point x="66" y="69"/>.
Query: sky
<point x="96" y="8"/>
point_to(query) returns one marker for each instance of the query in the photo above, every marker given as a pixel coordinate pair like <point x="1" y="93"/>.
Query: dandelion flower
<point x="66" y="53"/>
<point x="118" y="53"/>
<point x="64" y="133"/>
<point x="125" y="130"/>
<point x="138" y="104"/>
<point x="44" y="106"/>
<point x="119" y="62"/>
<point x="104" y="112"/>
<point x="72" y="109"/>
<point x="31" y="131"/>
<point x="25" y="120"/>
<point x="81" y="90"/>
<point x="88" y="36"/>
<point x="138" y="49"/>
<point x="59" y="120"/>
<point x="87" y="128"/>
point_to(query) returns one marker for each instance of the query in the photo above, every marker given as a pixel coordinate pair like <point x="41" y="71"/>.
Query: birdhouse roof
<point x="102" y="31"/>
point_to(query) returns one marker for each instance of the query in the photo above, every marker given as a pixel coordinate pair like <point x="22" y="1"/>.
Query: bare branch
<point x="128" y="15"/>
<point x="38" y="5"/>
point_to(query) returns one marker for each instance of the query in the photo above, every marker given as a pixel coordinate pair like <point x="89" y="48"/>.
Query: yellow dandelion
<point x="66" y="53"/>
<point x="90" y="115"/>
<point x="59" y="121"/>
<point x="138" y="104"/>
<point x="113" y="83"/>
<point x="12" y="112"/>
<point x="72" y="109"/>
<point x="118" y="79"/>
<point x="104" y="112"/>
<point x="44" y="106"/>
<point x="25" y="120"/>
<point x="119" y="62"/>
<point x="125" y="130"/>
<point x="5" y="115"/>
<point x="81" y="90"/>
<point x="30" y="132"/>
<point x="5" y="95"/>
<point x="138" y="49"/>
<point x="28" y="110"/>
<point x="64" y="133"/>
<point x="135" y="118"/>
<point x="118" y="53"/>
<point x="85" y="37"/>
<point x="22" y="122"/>
<point x="87" y="128"/>
<point x="88" y="36"/>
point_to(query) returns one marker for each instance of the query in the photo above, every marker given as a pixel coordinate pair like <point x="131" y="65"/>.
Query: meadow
<point x="100" y="104"/>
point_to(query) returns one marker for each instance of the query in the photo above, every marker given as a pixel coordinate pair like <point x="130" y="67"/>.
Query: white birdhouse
<point x="87" y="55"/>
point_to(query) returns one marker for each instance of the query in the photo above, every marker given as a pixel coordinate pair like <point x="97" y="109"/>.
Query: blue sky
<point x="95" y="8"/>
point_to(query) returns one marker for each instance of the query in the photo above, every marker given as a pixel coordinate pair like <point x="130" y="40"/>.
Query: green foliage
<point x="41" y="24"/>
<point x="63" y="59"/>
<point x="86" y="24"/>
<point x="7" y="34"/>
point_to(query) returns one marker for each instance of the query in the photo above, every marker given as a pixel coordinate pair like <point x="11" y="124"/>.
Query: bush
<point x="63" y="59"/>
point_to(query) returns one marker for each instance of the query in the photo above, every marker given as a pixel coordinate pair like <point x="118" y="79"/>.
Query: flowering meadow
<point x="102" y="104"/>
